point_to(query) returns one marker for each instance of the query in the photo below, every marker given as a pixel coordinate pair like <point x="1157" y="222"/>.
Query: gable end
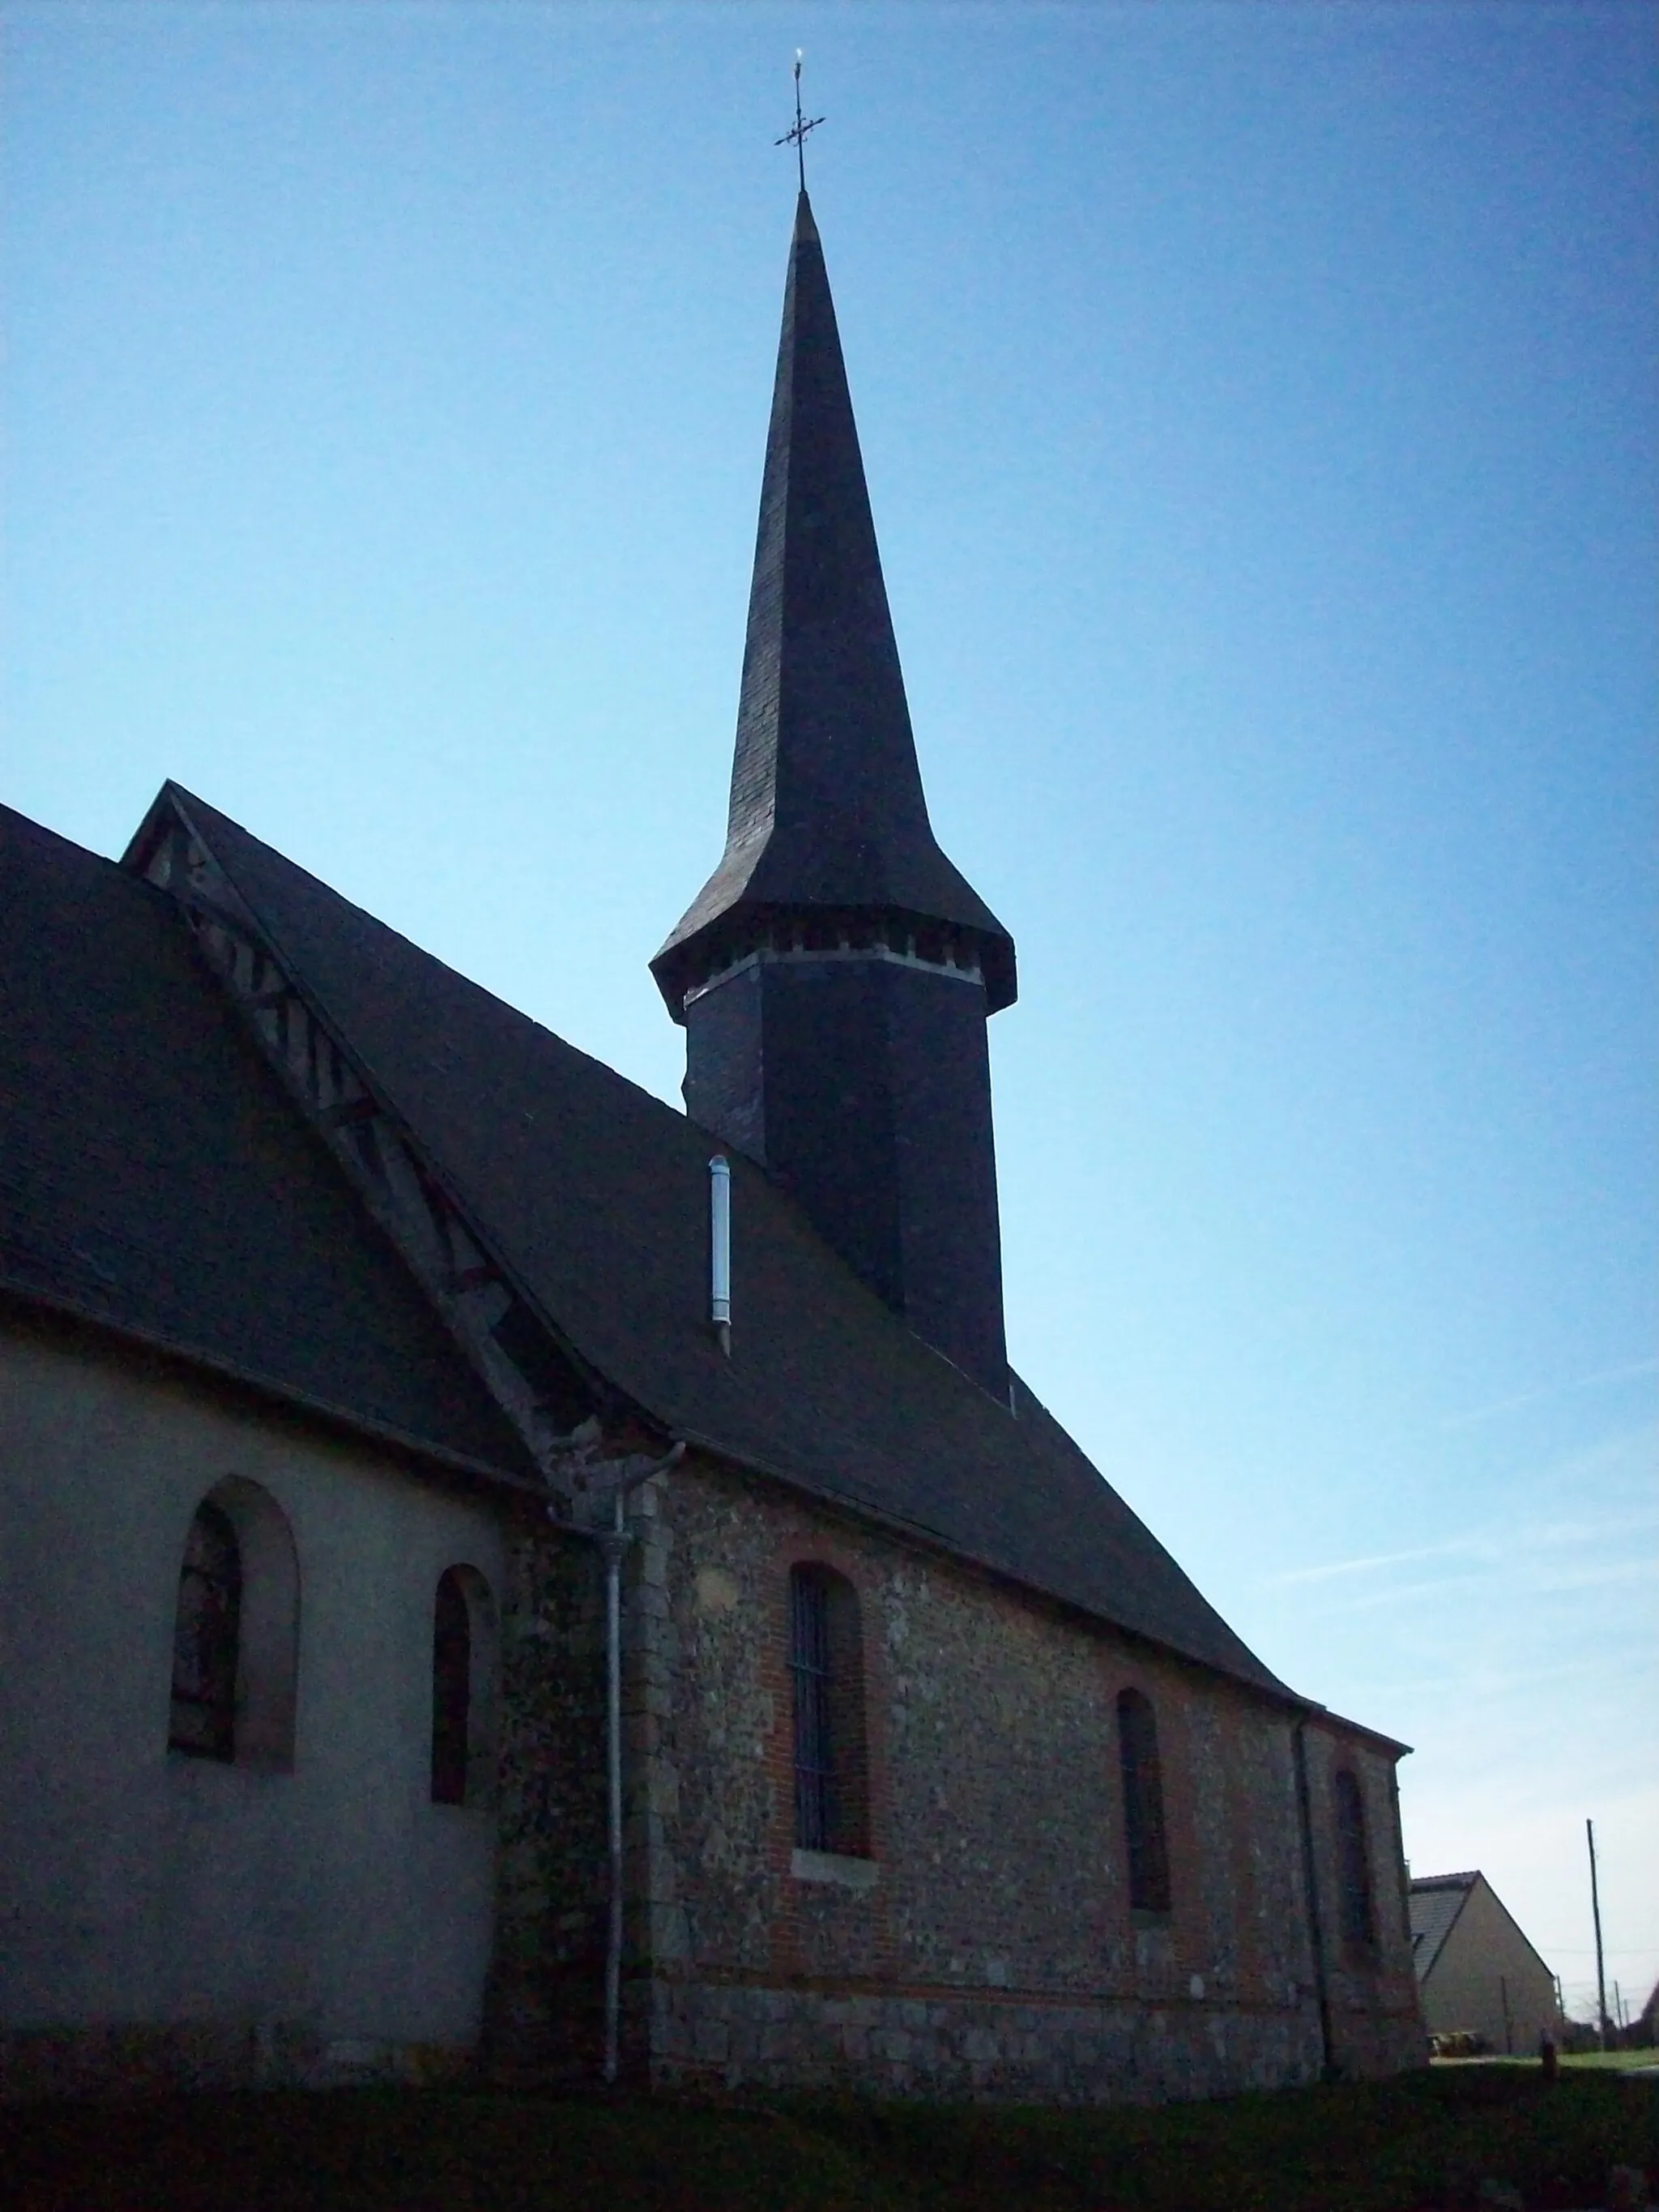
<point x="538" y="1380"/>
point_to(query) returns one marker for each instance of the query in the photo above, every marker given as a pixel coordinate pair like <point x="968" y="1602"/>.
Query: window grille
<point x="206" y="1639"/>
<point x="1145" y="1838"/>
<point x="451" y="1690"/>
<point x="808" y="1661"/>
<point x="1353" y="1862"/>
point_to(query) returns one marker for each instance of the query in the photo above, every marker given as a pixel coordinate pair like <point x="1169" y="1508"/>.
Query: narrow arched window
<point x="1145" y="1840"/>
<point x="207" y="1635"/>
<point x="463" y="1688"/>
<point x="1353" y="1862"/>
<point x="236" y="1632"/>
<point x="451" y="1690"/>
<point x="826" y="1665"/>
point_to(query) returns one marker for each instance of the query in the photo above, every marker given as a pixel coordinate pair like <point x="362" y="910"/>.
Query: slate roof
<point x="1436" y="1900"/>
<point x="153" y="1175"/>
<point x="827" y="811"/>
<point x="595" y="1195"/>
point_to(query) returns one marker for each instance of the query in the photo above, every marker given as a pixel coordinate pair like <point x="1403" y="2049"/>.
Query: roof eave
<point x="441" y="1458"/>
<point x="945" y="1547"/>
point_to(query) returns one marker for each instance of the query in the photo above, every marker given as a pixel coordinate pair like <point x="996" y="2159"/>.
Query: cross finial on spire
<point x="796" y="136"/>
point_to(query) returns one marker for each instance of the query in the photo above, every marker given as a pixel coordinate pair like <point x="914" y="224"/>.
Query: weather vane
<point x="797" y="137"/>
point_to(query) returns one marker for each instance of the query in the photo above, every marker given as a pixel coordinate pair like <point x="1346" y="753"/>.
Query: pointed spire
<point x="827" y="821"/>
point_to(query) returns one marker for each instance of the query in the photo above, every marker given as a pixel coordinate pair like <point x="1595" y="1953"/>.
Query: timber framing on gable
<point x="541" y="1383"/>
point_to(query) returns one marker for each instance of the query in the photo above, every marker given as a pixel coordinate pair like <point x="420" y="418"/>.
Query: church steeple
<point x="827" y="813"/>
<point x="834" y="973"/>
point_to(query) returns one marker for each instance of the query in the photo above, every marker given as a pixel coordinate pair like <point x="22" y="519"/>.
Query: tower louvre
<point x="835" y="973"/>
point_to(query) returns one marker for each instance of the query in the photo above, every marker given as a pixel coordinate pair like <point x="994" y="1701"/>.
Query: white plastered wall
<point x="141" y="1887"/>
<point x="1487" y="1977"/>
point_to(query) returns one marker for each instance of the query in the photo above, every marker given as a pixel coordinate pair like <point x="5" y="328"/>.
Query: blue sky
<point x="1257" y="403"/>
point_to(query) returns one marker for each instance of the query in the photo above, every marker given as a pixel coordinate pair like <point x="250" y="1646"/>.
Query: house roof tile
<point x="1435" y="1902"/>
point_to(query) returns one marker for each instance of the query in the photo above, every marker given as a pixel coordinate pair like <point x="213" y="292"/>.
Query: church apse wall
<point x="976" y="1931"/>
<point x="206" y="1881"/>
<point x="1377" y="2025"/>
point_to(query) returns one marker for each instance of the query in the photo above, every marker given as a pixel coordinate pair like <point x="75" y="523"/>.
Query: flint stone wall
<point x="543" y="2018"/>
<point x="987" y="1946"/>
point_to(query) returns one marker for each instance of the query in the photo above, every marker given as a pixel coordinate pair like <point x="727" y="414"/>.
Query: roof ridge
<point x="592" y="1196"/>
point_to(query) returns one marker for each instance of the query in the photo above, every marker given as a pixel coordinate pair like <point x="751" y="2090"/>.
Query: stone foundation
<point x="944" y="2044"/>
<point x="122" y="2062"/>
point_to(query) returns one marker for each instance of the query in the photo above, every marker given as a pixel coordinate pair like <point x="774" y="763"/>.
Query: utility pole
<point x="1595" y="1911"/>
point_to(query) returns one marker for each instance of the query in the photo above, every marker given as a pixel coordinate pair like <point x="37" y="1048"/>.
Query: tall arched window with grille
<point x="207" y="1639"/>
<point x="463" y="1688"/>
<point x="1353" y="1862"/>
<point x="236" y="1632"/>
<point x="1146" y="1843"/>
<point x="826" y="1665"/>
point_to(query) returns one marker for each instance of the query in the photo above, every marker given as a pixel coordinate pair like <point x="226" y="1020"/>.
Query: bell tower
<point x="836" y="973"/>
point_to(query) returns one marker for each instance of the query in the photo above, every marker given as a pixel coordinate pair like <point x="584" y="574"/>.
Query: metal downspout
<point x="613" y="1543"/>
<point x="1310" y="1876"/>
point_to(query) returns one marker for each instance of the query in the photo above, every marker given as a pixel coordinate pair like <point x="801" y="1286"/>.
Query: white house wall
<point x="1488" y="1978"/>
<point x="308" y="1922"/>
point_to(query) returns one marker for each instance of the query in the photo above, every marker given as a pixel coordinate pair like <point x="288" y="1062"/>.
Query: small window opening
<point x="451" y="1691"/>
<point x="236" y="1631"/>
<point x="1353" y="1862"/>
<point x="826" y="1664"/>
<point x="207" y="1639"/>
<point x="1144" y="1836"/>
<point x="462" y="1689"/>
<point x="809" y="1659"/>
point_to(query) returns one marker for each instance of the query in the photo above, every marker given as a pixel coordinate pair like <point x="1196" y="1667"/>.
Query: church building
<point x="504" y="1579"/>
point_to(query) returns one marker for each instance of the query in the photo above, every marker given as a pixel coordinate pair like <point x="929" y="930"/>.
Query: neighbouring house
<point x="499" y="1573"/>
<point x="1475" y="1969"/>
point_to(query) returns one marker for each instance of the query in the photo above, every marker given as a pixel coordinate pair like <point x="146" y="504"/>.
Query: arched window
<point x="207" y="1632"/>
<point x="1144" y="1840"/>
<point x="1353" y="1862"/>
<point x="236" y="1636"/>
<point x="462" y="1689"/>
<point x="826" y="1665"/>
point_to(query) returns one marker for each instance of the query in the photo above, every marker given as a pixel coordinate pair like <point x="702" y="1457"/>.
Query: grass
<point x="1426" y="2141"/>
<point x="1617" y="2062"/>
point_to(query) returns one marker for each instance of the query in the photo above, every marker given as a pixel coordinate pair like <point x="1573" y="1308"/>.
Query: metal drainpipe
<point x="720" y="1249"/>
<point x="613" y="1542"/>
<point x="1310" y="1875"/>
